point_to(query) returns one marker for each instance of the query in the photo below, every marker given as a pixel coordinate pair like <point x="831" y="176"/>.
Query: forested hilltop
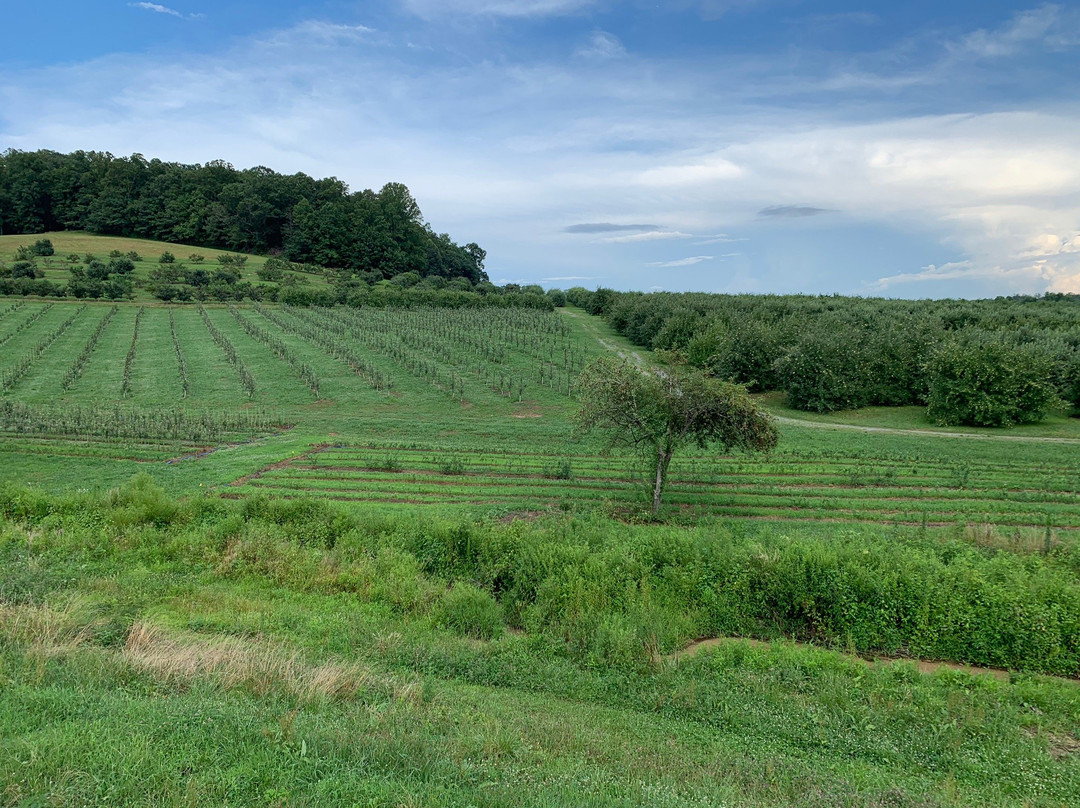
<point x="255" y="210"/>
<point x="971" y="362"/>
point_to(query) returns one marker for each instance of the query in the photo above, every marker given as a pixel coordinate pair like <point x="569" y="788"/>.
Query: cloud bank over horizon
<point x="847" y="153"/>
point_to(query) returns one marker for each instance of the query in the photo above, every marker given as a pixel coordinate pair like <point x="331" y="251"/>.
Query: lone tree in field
<point x="659" y="411"/>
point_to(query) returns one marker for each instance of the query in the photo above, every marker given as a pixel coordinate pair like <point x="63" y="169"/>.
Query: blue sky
<point x="917" y="149"/>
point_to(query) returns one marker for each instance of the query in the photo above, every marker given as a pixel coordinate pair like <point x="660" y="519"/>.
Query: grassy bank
<point x="266" y="652"/>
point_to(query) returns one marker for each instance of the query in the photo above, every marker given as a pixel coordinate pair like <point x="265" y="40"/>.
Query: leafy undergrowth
<point x="155" y="651"/>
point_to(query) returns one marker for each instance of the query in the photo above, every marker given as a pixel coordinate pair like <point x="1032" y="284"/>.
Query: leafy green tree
<point x="25" y="269"/>
<point x="826" y="369"/>
<point x="981" y="379"/>
<point x="657" y="412"/>
<point x="121" y="266"/>
<point x="43" y="246"/>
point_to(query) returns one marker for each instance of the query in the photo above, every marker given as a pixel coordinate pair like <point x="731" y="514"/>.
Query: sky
<point x="916" y="149"/>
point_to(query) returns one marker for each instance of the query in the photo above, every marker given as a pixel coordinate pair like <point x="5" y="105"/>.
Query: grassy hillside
<point x="210" y="654"/>
<point x="68" y="243"/>
<point x="382" y="569"/>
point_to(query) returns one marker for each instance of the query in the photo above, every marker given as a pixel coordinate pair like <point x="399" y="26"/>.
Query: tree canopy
<point x="656" y="412"/>
<point x="255" y="210"/>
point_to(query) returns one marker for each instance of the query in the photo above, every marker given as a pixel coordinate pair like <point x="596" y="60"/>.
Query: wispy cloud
<point x="159" y="9"/>
<point x="682" y="262"/>
<point x="509" y="148"/>
<point x="329" y="31"/>
<point x="719" y="238"/>
<point x="602" y="45"/>
<point x="655" y="235"/>
<point x="791" y="211"/>
<point x="1044" y="24"/>
<point x="608" y="227"/>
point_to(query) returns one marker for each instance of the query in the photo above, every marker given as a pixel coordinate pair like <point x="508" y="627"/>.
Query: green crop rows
<point x="461" y="408"/>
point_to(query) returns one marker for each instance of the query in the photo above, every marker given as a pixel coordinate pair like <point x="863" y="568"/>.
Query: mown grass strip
<point x="76" y="370"/>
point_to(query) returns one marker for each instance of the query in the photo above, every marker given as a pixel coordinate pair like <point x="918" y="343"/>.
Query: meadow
<point x="266" y="555"/>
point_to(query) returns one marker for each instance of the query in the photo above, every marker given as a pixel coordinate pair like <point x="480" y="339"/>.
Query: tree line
<point x="974" y="362"/>
<point x="255" y="210"/>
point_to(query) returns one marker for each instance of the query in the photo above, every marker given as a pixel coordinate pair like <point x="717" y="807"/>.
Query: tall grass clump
<point x="471" y="612"/>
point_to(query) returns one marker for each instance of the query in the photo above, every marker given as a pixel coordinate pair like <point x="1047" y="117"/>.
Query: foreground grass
<point x="201" y="653"/>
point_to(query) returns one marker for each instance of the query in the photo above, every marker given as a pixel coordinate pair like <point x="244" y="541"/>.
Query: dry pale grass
<point x="43" y="629"/>
<point x="259" y="666"/>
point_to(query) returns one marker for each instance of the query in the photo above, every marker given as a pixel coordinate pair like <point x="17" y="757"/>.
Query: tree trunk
<point x="662" y="462"/>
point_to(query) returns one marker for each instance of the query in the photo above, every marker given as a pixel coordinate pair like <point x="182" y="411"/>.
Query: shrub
<point x="825" y="370"/>
<point x="25" y="269"/>
<point x="557" y="297"/>
<point x="470" y="612"/>
<point x="273" y="270"/>
<point x="167" y="258"/>
<point x="981" y="379"/>
<point x="42" y="246"/>
<point x="121" y="265"/>
<point x="142" y="501"/>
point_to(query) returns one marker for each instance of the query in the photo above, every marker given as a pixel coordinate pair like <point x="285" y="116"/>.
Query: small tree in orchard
<point x="657" y="412"/>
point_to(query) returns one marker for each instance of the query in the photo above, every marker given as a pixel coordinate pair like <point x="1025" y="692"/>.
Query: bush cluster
<point x="983" y="363"/>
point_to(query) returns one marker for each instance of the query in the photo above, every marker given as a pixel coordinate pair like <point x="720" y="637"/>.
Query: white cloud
<point x="157" y="8"/>
<point x="328" y="31"/>
<point x="706" y="170"/>
<point x="1039" y="25"/>
<point x="602" y="45"/>
<point x="656" y="235"/>
<point x="682" y="262"/>
<point x="506" y="153"/>
<point x="719" y="238"/>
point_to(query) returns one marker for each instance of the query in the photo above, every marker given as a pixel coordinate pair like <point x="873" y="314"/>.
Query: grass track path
<point x="929" y="433"/>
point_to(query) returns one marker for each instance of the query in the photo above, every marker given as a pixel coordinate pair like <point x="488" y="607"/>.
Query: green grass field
<point x="78" y="243"/>
<point x="382" y="569"/>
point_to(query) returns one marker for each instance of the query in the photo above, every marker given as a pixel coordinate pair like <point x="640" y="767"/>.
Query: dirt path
<point x="587" y="323"/>
<point x="924" y="666"/>
<point x="923" y="433"/>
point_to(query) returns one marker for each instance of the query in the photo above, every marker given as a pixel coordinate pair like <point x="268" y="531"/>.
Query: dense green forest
<point x="973" y="362"/>
<point x="255" y="210"/>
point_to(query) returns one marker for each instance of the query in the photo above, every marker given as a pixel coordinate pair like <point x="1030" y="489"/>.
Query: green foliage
<point x="167" y="258"/>
<point x="43" y="246"/>
<point x="830" y="353"/>
<point x="657" y="412"/>
<point x="470" y="612"/>
<point x="273" y="270"/>
<point x="826" y="370"/>
<point x="307" y="220"/>
<point x="25" y="269"/>
<point x="979" y="379"/>
<point x="142" y="502"/>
